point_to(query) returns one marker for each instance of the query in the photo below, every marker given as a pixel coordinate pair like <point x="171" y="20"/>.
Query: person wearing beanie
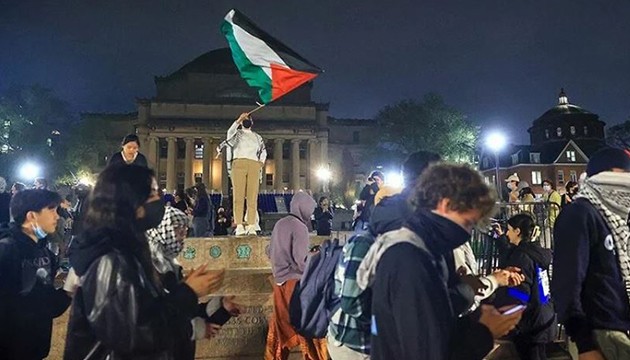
<point x="130" y="153"/>
<point x="591" y="264"/>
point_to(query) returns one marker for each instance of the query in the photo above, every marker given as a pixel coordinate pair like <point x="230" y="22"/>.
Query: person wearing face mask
<point x="246" y="155"/>
<point x="512" y="184"/>
<point x="571" y="190"/>
<point x="130" y="154"/>
<point x="553" y="200"/>
<point x="591" y="275"/>
<point x="121" y="309"/>
<point x="166" y="241"/>
<point x="28" y="298"/>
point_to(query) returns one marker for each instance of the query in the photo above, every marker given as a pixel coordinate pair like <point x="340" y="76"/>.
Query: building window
<point x="181" y="149"/>
<point x="355" y="137"/>
<point x="547" y="133"/>
<point x="163" y="148"/>
<point x="269" y="146"/>
<point x="198" y="150"/>
<point x="559" y="131"/>
<point x="302" y="150"/>
<point x="536" y="177"/>
<point x="573" y="176"/>
<point x="571" y="156"/>
<point x="534" y="158"/>
<point x="286" y="150"/>
<point x="269" y="179"/>
<point x="586" y="130"/>
<point x="514" y="159"/>
<point x="561" y="176"/>
<point x="572" y="130"/>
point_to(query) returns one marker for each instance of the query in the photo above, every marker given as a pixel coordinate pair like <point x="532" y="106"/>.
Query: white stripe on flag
<point x="256" y="50"/>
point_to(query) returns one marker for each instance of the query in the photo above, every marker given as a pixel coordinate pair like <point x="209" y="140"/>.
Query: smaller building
<point x="561" y="142"/>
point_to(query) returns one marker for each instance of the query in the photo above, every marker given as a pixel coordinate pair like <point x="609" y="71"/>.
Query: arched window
<point x="547" y="133"/>
<point x="559" y="131"/>
<point x="572" y="130"/>
<point x="585" y="130"/>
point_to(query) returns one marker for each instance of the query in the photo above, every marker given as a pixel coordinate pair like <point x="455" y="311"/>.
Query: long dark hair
<point x="119" y="191"/>
<point x="526" y="224"/>
<point x="201" y="191"/>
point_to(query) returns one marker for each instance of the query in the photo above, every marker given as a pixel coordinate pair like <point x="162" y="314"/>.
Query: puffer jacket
<point x="120" y="311"/>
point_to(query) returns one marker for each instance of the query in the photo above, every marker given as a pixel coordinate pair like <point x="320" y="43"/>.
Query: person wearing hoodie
<point x="120" y="309"/>
<point x="590" y="263"/>
<point x="349" y="329"/>
<point x="166" y="241"/>
<point x="413" y="314"/>
<point x="28" y="298"/>
<point x="288" y="251"/>
<point x="517" y="248"/>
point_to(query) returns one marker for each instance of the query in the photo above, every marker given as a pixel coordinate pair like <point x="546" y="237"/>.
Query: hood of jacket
<point x="389" y="214"/>
<point x="302" y="206"/>
<point x="540" y="255"/>
<point x="92" y="244"/>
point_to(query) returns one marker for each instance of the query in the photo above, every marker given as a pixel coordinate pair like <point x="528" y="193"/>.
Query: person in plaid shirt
<point x="349" y="329"/>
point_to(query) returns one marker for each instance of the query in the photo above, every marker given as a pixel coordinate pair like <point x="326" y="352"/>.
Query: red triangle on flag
<point x="285" y="79"/>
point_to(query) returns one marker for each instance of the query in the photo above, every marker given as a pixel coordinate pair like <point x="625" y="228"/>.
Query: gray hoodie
<point x="290" y="240"/>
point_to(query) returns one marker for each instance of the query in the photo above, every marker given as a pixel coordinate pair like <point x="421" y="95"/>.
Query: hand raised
<point x="204" y="282"/>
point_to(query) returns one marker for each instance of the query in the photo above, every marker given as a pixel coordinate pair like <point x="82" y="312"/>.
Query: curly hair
<point x="460" y="184"/>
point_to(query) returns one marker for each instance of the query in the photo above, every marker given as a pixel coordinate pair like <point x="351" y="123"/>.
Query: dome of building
<point x="563" y="108"/>
<point x="218" y="61"/>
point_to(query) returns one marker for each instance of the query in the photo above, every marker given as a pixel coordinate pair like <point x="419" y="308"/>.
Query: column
<point x="323" y="147"/>
<point x="152" y="153"/>
<point x="208" y="152"/>
<point x="295" y="164"/>
<point x="278" y="162"/>
<point x="171" y="158"/>
<point x="313" y="165"/>
<point x="225" y="185"/>
<point x="188" y="163"/>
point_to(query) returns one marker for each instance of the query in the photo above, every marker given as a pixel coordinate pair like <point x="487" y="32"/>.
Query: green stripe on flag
<point x="253" y="74"/>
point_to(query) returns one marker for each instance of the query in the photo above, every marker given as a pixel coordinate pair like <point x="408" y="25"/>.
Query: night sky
<point x="500" y="62"/>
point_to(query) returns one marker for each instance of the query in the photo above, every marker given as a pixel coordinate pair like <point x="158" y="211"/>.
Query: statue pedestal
<point x="248" y="276"/>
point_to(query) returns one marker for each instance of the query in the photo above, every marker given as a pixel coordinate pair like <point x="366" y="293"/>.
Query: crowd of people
<point x="404" y="286"/>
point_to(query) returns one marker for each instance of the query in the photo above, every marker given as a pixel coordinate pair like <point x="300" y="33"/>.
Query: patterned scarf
<point x="609" y="193"/>
<point x="163" y="241"/>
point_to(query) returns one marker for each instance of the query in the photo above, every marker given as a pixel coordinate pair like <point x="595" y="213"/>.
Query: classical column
<point x="188" y="163"/>
<point x="323" y="154"/>
<point x="313" y="164"/>
<point x="171" y="158"/>
<point x="208" y="152"/>
<point x="152" y="153"/>
<point x="295" y="164"/>
<point x="278" y="162"/>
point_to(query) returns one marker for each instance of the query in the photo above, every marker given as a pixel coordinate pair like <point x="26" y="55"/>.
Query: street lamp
<point x="324" y="175"/>
<point x="496" y="142"/>
<point x="29" y="171"/>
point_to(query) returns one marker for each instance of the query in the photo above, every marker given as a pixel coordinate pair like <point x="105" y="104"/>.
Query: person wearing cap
<point x="375" y="181"/>
<point x="130" y="154"/>
<point x="512" y="184"/>
<point x="591" y="264"/>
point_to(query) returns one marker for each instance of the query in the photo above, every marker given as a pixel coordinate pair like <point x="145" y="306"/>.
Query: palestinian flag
<point x="264" y="62"/>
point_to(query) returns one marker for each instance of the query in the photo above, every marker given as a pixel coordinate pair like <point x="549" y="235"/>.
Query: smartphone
<point x="512" y="310"/>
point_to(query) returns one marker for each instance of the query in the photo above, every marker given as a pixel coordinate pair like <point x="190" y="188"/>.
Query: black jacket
<point x="587" y="285"/>
<point x="119" y="308"/>
<point x="117" y="158"/>
<point x="323" y="220"/>
<point x="28" y="299"/>
<point x="413" y="312"/>
<point x="538" y="323"/>
<point x="5" y="202"/>
<point x="367" y="194"/>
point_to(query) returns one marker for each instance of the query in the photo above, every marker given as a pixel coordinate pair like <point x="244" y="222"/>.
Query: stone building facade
<point x="561" y="142"/>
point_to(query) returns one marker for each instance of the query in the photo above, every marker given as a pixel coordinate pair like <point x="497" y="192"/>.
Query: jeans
<point x="200" y="226"/>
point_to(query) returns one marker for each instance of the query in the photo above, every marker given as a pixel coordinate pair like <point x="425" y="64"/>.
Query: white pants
<point x="340" y="352"/>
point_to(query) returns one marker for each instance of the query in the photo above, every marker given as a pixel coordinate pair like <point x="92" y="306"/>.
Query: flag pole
<point x="260" y="106"/>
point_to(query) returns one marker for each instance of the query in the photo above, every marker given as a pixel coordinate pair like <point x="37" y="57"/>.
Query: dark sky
<point x="501" y="62"/>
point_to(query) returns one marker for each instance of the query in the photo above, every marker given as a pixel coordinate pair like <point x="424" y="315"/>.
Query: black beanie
<point x="606" y="159"/>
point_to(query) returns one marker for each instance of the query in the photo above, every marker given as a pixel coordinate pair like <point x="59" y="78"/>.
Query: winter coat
<point x="538" y="323"/>
<point x="120" y="309"/>
<point x="323" y="220"/>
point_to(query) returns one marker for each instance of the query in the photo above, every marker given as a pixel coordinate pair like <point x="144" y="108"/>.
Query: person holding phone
<point x="518" y="248"/>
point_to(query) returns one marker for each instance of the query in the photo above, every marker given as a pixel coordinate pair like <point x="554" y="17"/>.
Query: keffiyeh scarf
<point x="163" y="241"/>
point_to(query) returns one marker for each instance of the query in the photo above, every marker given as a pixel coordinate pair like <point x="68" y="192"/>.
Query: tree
<point x="619" y="135"/>
<point x="34" y="124"/>
<point x="430" y="124"/>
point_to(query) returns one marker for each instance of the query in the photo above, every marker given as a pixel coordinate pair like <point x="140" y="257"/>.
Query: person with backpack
<point x="288" y="252"/>
<point x="349" y="329"/>
<point x="517" y="248"/>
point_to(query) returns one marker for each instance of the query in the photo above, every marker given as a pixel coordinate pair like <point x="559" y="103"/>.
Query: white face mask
<point x="547" y="188"/>
<point x="510" y="186"/>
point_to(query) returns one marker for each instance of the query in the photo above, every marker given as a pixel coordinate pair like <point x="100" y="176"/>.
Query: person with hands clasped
<point x="518" y="248"/>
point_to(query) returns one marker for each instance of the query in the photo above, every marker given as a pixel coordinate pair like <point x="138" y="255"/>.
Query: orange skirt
<point x="281" y="336"/>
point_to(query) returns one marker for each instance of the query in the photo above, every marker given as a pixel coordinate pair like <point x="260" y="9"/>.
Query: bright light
<point x="29" y="171"/>
<point x="324" y="174"/>
<point x="496" y="141"/>
<point x="394" y="179"/>
<point x="85" y="180"/>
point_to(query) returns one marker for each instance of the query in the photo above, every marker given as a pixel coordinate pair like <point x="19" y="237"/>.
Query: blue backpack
<point x="313" y="301"/>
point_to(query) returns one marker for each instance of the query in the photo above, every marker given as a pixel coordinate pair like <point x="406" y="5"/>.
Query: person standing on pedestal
<point x="130" y="153"/>
<point x="246" y="157"/>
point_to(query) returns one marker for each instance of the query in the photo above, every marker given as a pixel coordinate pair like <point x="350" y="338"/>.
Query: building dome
<point x="564" y="122"/>
<point x="218" y="61"/>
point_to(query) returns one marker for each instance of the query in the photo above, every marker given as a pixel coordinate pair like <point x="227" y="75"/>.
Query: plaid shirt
<point x="350" y="325"/>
